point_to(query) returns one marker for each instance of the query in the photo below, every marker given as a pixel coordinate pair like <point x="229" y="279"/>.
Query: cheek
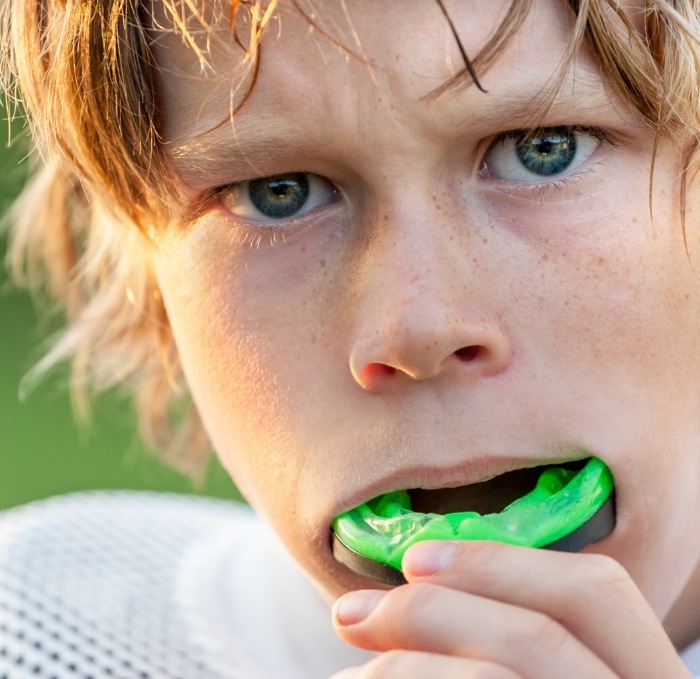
<point x="252" y="341"/>
<point x="237" y="394"/>
<point x="619" y="291"/>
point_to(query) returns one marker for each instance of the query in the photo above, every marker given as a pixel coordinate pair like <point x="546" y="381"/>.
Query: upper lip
<point x="432" y="477"/>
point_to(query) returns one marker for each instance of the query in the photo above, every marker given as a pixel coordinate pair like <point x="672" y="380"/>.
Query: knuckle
<point x="606" y="579"/>
<point x="550" y="636"/>
<point x="537" y="630"/>
<point x="597" y="577"/>
<point x="607" y="572"/>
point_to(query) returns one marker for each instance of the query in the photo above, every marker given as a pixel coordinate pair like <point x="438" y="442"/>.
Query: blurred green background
<point x="43" y="451"/>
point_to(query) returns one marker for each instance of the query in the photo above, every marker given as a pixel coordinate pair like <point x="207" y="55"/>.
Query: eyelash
<point x="596" y="132"/>
<point x="540" y="190"/>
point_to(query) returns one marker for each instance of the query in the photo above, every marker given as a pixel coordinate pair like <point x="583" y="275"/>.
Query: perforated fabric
<point x="89" y="588"/>
<point x="126" y="585"/>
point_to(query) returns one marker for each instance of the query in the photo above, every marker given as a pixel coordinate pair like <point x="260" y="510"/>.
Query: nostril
<point x="374" y="370"/>
<point x="468" y="353"/>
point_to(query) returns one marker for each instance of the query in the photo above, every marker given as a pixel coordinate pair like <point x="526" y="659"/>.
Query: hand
<point x="488" y="610"/>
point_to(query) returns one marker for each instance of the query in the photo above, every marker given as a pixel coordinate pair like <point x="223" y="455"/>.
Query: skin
<point x="430" y="323"/>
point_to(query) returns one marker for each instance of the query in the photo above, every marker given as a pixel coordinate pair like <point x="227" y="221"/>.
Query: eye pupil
<point x="280" y="196"/>
<point x="549" y="154"/>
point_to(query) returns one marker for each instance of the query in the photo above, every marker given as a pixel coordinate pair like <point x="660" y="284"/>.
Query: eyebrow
<point x="213" y="153"/>
<point x="584" y="79"/>
<point x="208" y="153"/>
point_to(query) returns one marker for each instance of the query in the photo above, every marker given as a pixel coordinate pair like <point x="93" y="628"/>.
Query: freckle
<point x="322" y="263"/>
<point x="485" y="240"/>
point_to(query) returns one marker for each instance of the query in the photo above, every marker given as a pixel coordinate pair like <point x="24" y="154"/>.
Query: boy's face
<point x="438" y="302"/>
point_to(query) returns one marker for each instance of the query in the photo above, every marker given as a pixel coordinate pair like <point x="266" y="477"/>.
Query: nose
<point x="426" y="310"/>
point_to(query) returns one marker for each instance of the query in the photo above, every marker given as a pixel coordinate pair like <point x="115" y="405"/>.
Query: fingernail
<point x="428" y="558"/>
<point x="356" y="606"/>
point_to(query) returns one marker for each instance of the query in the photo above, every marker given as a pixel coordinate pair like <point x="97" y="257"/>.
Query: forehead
<point x="360" y="59"/>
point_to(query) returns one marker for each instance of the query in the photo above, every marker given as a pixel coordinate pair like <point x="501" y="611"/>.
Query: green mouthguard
<point x="561" y="503"/>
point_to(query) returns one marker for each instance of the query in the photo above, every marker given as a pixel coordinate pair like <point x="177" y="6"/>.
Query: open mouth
<point x="487" y="497"/>
<point x="565" y="507"/>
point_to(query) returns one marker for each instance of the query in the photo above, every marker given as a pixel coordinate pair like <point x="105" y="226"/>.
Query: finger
<point x="416" y="665"/>
<point x="430" y="618"/>
<point x="589" y="594"/>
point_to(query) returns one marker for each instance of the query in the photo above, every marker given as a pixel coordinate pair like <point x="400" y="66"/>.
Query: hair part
<point x="82" y="229"/>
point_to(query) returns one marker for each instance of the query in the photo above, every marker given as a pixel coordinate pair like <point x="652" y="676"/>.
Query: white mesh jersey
<point x="133" y="585"/>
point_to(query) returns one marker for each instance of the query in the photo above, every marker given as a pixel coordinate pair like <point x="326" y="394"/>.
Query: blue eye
<point x="278" y="197"/>
<point x="547" y="154"/>
<point x="540" y="154"/>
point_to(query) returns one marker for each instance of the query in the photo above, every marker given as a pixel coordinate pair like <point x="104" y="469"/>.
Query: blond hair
<point x="81" y="230"/>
